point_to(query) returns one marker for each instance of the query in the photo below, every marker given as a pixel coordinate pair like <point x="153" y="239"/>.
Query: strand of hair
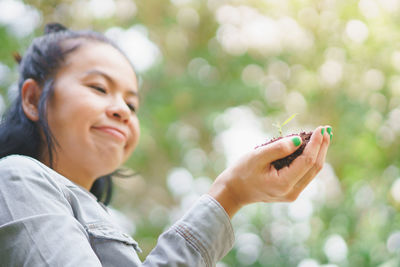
<point x="17" y="57"/>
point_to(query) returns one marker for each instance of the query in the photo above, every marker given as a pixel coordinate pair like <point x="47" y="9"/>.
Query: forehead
<point x="101" y="56"/>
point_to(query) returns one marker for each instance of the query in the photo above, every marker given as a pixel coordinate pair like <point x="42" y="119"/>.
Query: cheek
<point x="135" y="135"/>
<point x="70" y="122"/>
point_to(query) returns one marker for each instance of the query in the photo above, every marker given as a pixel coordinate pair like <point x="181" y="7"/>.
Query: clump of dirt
<point x="281" y="163"/>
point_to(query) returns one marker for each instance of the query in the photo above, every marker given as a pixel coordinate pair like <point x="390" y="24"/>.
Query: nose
<point x="118" y="110"/>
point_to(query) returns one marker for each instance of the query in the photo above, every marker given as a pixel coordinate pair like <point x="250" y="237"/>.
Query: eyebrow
<point x="110" y="80"/>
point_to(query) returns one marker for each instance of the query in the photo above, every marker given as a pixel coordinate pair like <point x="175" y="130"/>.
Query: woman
<point x="74" y="121"/>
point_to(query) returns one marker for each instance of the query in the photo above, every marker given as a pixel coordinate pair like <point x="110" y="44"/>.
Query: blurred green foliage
<point x="333" y="62"/>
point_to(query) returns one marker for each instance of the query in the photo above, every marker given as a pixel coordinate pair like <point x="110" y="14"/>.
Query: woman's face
<point x="92" y="113"/>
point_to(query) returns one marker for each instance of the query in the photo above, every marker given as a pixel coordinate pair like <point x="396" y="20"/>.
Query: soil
<point x="284" y="162"/>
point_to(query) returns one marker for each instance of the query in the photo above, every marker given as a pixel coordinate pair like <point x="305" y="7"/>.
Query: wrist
<point x="224" y="194"/>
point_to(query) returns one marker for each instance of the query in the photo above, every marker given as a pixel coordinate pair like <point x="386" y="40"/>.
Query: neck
<point x="72" y="173"/>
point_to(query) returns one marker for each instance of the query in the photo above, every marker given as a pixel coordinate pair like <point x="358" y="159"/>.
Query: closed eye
<point x="98" y="88"/>
<point x="102" y="90"/>
<point x="131" y="107"/>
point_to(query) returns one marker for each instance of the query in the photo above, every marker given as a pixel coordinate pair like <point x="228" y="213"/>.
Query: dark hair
<point x="44" y="57"/>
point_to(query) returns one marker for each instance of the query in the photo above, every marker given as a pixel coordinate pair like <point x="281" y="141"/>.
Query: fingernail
<point x="296" y="141"/>
<point x="331" y="135"/>
<point x="322" y="131"/>
<point x="329" y="130"/>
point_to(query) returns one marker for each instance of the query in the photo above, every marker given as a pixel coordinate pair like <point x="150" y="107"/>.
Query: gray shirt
<point x="46" y="220"/>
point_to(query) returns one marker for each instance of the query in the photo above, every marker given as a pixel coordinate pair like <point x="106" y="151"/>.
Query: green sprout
<point x="279" y="126"/>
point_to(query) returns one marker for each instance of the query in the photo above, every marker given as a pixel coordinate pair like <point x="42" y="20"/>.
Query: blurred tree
<point x="215" y="75"/>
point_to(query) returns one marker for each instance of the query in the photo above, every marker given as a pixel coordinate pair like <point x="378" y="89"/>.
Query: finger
<point x="302" y="164"/>
<point x="310" y="175"/>
<point x="279" y="149"/>
<point x="326" y="136"/>
<point x="315" y="141"/>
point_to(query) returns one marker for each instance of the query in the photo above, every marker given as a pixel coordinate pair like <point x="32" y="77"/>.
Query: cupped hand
<point x="254" y="179"/>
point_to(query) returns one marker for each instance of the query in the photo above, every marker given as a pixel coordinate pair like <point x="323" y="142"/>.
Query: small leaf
<point x="288" y="120"/>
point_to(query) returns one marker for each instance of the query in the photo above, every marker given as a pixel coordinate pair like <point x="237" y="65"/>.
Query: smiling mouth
<point x="112" y="132"/>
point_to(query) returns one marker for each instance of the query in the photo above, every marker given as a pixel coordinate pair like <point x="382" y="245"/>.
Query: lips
<point x="113" y="131"/>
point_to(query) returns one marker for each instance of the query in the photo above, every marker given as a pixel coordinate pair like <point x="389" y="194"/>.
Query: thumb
<point x="279" y="149"/>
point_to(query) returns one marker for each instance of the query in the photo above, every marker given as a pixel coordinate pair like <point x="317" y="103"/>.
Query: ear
<point x="30" y="94"/>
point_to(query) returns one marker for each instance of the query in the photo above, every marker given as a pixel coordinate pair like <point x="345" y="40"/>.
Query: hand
<point x="254" y="179"/>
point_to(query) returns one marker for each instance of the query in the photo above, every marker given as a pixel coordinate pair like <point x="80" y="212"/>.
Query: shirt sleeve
<point x="201" y="238"/>
<point x="43" y="233"/>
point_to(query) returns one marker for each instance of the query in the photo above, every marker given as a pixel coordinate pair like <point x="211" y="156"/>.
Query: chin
<point x="109" y="164"/>
<point x="104" y="172"/>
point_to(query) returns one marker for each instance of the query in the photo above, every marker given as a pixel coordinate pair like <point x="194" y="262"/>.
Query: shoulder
<point x="29" y="188"/>
<point x="19" y="167"/>
<point x="22" y="164"/>
<point x="13" y="161"/>
<point x="16" y="167"/>
<point x="27" y="178"/>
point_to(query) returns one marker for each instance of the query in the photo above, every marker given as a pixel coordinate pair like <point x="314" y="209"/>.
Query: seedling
<point x="286" y="161"/>
<point x="279" y="126"/>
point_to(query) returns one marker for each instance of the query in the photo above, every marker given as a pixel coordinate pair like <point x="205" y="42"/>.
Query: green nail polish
<point x="329" y="130"/>
<point x="331" y="135"/>
<point x="322" y="131"/>
<point x="296" y="141"/>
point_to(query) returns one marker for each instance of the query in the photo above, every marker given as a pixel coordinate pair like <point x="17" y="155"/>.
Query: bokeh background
<point x="215" y="76"/>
